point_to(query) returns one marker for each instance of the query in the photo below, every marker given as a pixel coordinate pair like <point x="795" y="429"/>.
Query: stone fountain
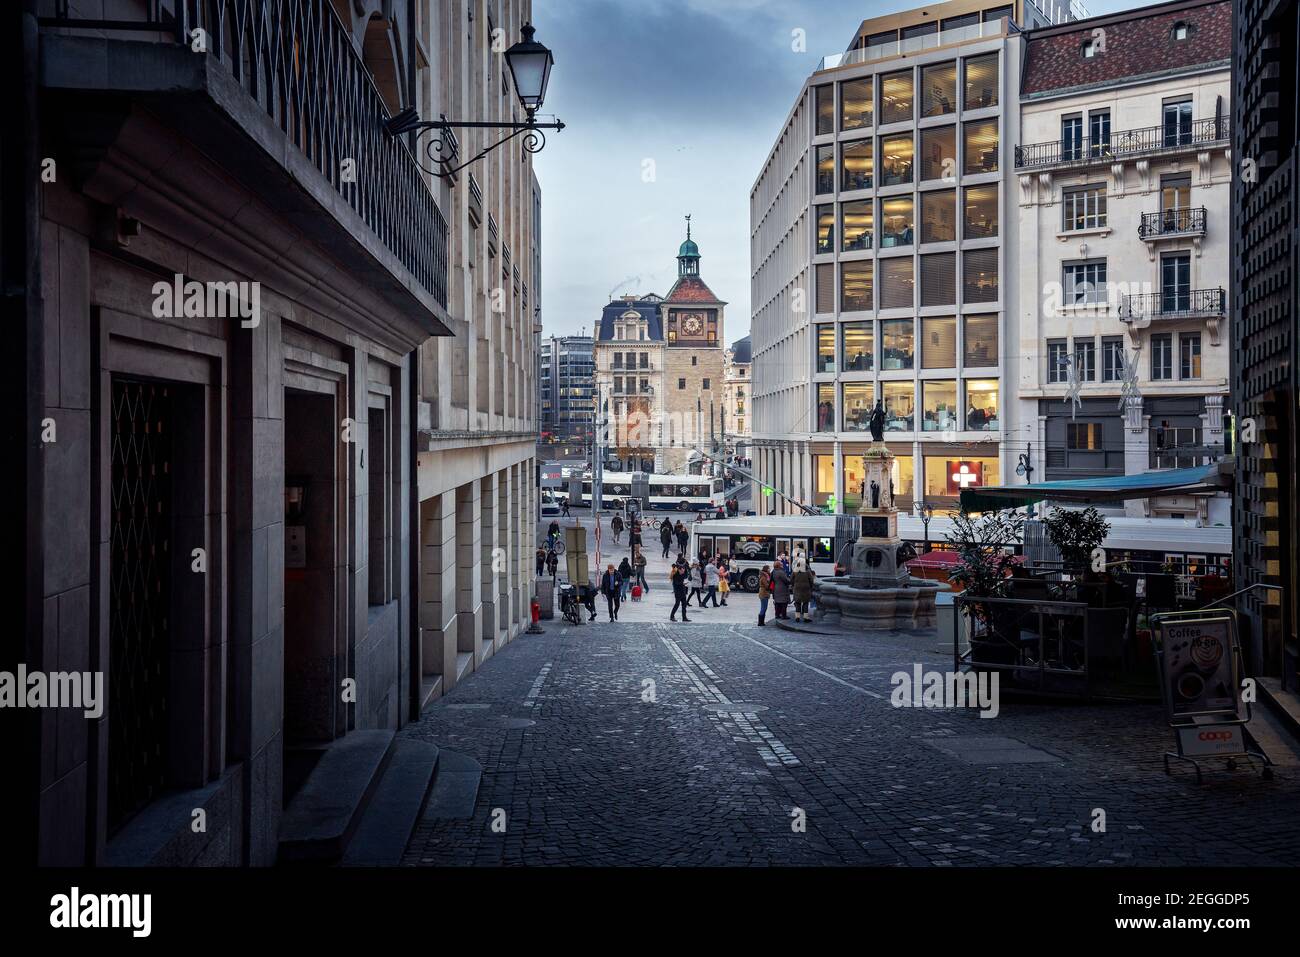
<point x="879" y="593"/>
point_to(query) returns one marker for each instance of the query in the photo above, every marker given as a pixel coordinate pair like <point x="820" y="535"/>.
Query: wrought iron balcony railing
<point x="296" y="60"/>
<point x="1172" y="222"/>
<point x="1172" y="305"/>
<point x="1128" y="144"/>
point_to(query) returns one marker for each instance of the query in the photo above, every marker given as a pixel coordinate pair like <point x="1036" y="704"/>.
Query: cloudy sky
<point x="670" y="108"/>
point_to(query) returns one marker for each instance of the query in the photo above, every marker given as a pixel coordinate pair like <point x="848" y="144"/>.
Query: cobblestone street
<point x="645" y="743"/>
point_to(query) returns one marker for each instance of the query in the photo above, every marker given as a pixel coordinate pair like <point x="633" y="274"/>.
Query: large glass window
<point x="826" y="229"/>
<point x="980" y="342"/>
<point x="857" y="406"/>
<point x="1162" y="356"/>
<point x="825" y="347"/>
<point x="939" y="153"/>
<point x="939" y="279"/>
<point x="1178" y="123"/>
<point x="825" y="169"/>
<point x="857" y="226"/>
<point x="947" y="475"/>
<point x="939" y="405"/>
<point x="825" y="407"/>
<point x="855" y="104"/>
<point x="981" y="216"/>
<point x="856" y="286"/>
<point x="1112" y="358"/>
<point x="896" y="283"/>
<point x="900" y="405"/>
<point x="980" y="275"/>
<point x="825" y="99"/>
<point x="824" y="477"/>
<point x="1084" y="208"/>
<point x="939" y="216"/>
<point x="982" y="405"/>
<point x="1084" y="283"/>
<point x="981" y="146"/>
<point x="1176" y="282"/>
<point x="856" y="165"/>
<point x="981" y="81"/>
<point x="896" y="97"/>
<point x="902" y="477"/>
<point x="939" y="89"/>
<point x="896" y="346"/>
<point x="1189" y="355"/>
<point x="1058" y="363"/>
<point x="858" y="347"/>
<point x="938" y="342"/>
<point x="896" y="154"/>
<point x="1085" y="360"/>
<point x="896" y="221"/>
<point x="825" y="287"/>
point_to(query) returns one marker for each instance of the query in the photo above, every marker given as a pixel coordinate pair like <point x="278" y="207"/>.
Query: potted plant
<point x="1077" y="533"/>
<point x="985" y="562"/>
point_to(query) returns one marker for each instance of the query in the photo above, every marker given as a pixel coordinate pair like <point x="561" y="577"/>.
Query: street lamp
<point x="927" y="513"/>
<point x="1025" y="467"/>
<point x="530" y="65"/>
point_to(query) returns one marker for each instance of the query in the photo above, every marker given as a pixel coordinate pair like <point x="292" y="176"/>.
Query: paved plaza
<point x="648" y="742"/>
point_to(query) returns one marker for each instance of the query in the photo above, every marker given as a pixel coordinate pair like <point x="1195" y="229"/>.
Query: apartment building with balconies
<point x="1122" y="187"/>
<point x="883" y="257"/>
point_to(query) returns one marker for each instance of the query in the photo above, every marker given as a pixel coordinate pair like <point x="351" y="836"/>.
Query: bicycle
<point x="569" y="605"/>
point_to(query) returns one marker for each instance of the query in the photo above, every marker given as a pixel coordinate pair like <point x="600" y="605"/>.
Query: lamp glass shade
<point x="530" y="67"/>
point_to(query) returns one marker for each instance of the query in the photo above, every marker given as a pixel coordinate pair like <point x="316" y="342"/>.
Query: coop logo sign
<point x="57" y="689"/>
<point x="208" y="300"/>
<point x="937" y="689"/>
<point x="74" y="909"/>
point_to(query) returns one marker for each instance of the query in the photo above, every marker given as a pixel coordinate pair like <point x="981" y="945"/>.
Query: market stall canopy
<point x="1198" y="480"/>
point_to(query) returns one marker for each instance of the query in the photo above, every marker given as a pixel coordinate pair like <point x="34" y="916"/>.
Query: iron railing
<point x="1172" y="222"/>
<point x="296" y="60"/>
<point x="1176" y="304"/>
<point x="1128" y="144"/>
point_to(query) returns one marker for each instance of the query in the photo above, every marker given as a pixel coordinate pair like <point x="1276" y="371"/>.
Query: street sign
<point x="633" y="506"/>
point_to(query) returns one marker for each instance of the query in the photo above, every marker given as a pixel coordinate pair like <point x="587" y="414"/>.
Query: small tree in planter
<point x="1076" y="533"/>
<point x="981" y="543"/>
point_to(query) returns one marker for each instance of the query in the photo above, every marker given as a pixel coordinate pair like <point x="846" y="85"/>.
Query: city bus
<point x="1184" y="548"/>
<point x="683" y="493"/>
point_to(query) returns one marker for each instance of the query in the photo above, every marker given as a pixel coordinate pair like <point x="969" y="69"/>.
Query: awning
<point x="1199" y="480"/>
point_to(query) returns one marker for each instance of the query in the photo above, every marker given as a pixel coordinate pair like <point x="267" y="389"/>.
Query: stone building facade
<point x="736" y="394"/>
<point x="235" y="285"/>
<point x="659" y="371"/>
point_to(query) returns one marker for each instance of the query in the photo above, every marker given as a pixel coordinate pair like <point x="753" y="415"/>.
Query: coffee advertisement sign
<point x="1200" y="667"/>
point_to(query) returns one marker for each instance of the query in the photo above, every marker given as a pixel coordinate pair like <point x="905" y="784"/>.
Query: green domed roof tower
<point x="688" y="254"/>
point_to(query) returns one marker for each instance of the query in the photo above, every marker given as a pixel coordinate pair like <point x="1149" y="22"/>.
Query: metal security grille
<point x="140" y="595"/>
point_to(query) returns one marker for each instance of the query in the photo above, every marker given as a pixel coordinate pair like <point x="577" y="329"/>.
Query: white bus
<point x="684" y="493"/>
<point x="752" y="542"/>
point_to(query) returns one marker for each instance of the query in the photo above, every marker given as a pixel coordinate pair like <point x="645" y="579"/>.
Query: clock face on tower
<point x="692" y="323"/>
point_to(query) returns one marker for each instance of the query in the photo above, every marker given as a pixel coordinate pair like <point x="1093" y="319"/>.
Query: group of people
<point x="668" y="533"/>
<point x="782" y="582"/>
<point x="704" y="580"/>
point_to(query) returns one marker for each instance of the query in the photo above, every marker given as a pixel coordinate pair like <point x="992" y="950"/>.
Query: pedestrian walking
<point x="638" y="566"/>
<point x="780" y="590"/>
<point x="634" y="535"/>
<point x="724" y="579"/>
<point x="611" y="586"/>
<point x="696" y="577"/>
<point x="711" y="584"/>
<point x="616" y="526"/>
<point x="801" y="583"/>
<point x="564" y="508"/>
<point x="683" y="537"/>
<point x="764" y="592"/>
<point x="666" y="536"/>
<point x="541" y="561"/>
<point x="625" y="572"/>
<point x="680" y="599"/>
<point x="552" y="562"/>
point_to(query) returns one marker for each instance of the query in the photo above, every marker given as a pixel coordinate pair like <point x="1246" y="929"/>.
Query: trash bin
<point x="546" y="596"/>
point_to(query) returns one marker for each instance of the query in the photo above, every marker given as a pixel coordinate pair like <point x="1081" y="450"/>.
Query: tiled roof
<point x="1138" y="43"/>
<point x="691" y="289"/>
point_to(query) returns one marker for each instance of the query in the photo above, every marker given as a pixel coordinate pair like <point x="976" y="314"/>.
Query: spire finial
<point x="688" y="225"/>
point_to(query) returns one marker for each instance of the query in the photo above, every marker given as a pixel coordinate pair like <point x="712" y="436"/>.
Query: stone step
<point x="324" y="814"/>
<point x="394" y="809"/>
<point x="455" y="787"/>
